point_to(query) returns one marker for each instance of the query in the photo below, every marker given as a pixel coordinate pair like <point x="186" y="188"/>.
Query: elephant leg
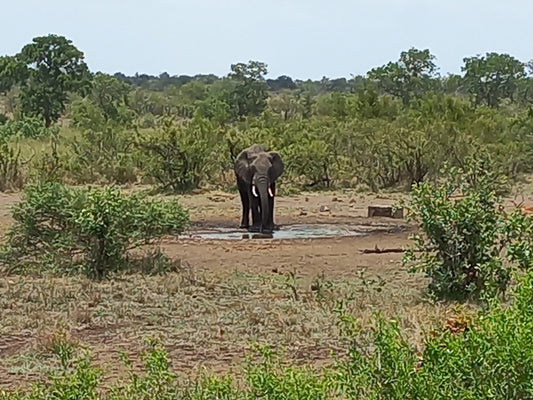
<point x="256" y="213"/>
<point x="245" y="200"/>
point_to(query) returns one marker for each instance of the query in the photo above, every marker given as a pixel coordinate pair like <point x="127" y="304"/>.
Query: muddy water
<point x="285" y="232"/>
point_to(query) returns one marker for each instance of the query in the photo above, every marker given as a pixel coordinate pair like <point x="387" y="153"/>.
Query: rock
<point x="324" y="209"/>
<point x="336" y="199"/>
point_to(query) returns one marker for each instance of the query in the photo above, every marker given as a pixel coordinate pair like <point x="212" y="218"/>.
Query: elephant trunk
<point x="265" y="212"/>
<point x="263" y="188"/>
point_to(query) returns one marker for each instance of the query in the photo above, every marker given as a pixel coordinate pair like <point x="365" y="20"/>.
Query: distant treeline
<point x="282" y="82"/>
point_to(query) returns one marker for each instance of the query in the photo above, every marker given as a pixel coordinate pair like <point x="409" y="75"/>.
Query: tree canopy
<point x="54" y="67"/>
<point x="410" y="77"/>
<point x="493" y="77"/>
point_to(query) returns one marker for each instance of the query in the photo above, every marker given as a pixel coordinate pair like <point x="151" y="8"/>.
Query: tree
<point x="285" y="104"/>
<point x="492" y="78"/>
<point x="105" y="104"/>
<point x="110" y="95"/>
<point x="453" y="84"/>
<point x="251" y="91"/>
<point x="281" y="83"/>
<point x="11" y="72"/>
<point x="524" y="91"/>
<point x="54" y="68"/>
<point x="410" y="77"/>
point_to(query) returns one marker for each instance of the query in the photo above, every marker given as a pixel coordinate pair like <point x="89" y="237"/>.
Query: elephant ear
<point x="242" y="166"/>
<point x="277" y="165"/>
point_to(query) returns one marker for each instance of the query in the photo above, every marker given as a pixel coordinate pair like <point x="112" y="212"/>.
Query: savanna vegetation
<point x="456" y="143"/>
<point x="393" y="127"/>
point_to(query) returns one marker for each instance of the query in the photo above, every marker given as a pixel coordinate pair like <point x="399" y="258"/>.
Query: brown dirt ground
<point x="226" y="295"/>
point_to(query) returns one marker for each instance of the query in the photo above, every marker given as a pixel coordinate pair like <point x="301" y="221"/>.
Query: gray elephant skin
<point x="257" y="171"/>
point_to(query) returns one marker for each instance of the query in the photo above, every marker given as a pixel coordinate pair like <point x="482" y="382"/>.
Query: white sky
<point x="300" y="38"/>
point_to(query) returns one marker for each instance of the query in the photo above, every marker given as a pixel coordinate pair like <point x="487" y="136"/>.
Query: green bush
<point x="178" y="158"/>
<point x="103" y="156"/>
<point x="91" y="229"/>
<point x="478" y="357"/>
<point x="462" y="238"/>
<point x="28" y="127"/>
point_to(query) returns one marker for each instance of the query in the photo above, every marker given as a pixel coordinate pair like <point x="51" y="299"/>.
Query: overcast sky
<point x="300" y="38"/>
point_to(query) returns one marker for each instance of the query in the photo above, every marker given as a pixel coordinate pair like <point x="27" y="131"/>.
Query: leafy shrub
<point x="311" y="160"/>
<point x="478" y="357"/>
<point x="28" y="127"/>
<point x="85" y="114"/>
<point x="88" y="228"/>
<point x="103" y="156"/>
<point x="104" y="106"/>
<point x="269" y="379"/>
<point x="519" y="234"/>
<point x="462" y="238"/>
<point x="179" y="157"/>
<point x="157" y="382"/>
<point x="80" y="382"/>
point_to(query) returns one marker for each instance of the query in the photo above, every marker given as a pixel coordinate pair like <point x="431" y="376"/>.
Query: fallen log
<point x="385" y="211"/>
<point x="377" y="250"/>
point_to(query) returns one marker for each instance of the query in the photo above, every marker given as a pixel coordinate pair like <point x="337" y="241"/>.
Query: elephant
<point x="256" y="171"/>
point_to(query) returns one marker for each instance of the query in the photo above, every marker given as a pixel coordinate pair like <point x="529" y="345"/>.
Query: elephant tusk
<point x="254" y="192"/>
<point x="270" y="192"/>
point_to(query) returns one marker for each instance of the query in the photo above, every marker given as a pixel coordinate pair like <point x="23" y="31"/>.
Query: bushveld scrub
<point x="92" y="229"/>
<point x="101" y="156"/>
<point x="321" y="151"/>
<point x="178" y="158"/>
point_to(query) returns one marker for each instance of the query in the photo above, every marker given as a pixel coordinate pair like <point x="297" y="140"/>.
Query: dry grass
<point x="204" y="319"/>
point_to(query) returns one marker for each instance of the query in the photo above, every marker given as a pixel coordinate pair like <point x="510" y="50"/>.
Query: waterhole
<point x="303" y="231"/>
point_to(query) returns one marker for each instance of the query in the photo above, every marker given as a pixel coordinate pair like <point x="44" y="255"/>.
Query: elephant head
<point x="257" y="171"/>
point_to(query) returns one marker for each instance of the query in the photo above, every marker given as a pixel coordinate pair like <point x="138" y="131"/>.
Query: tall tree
<point x="492" y="78"/>
<point x="110" y="95"/>
<point x="106" y="103"/>
<point x="54" y="68"/>
<point x="251" y="91"/>
<point x="414" y="74"/>
<point x="282" y="82"/>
